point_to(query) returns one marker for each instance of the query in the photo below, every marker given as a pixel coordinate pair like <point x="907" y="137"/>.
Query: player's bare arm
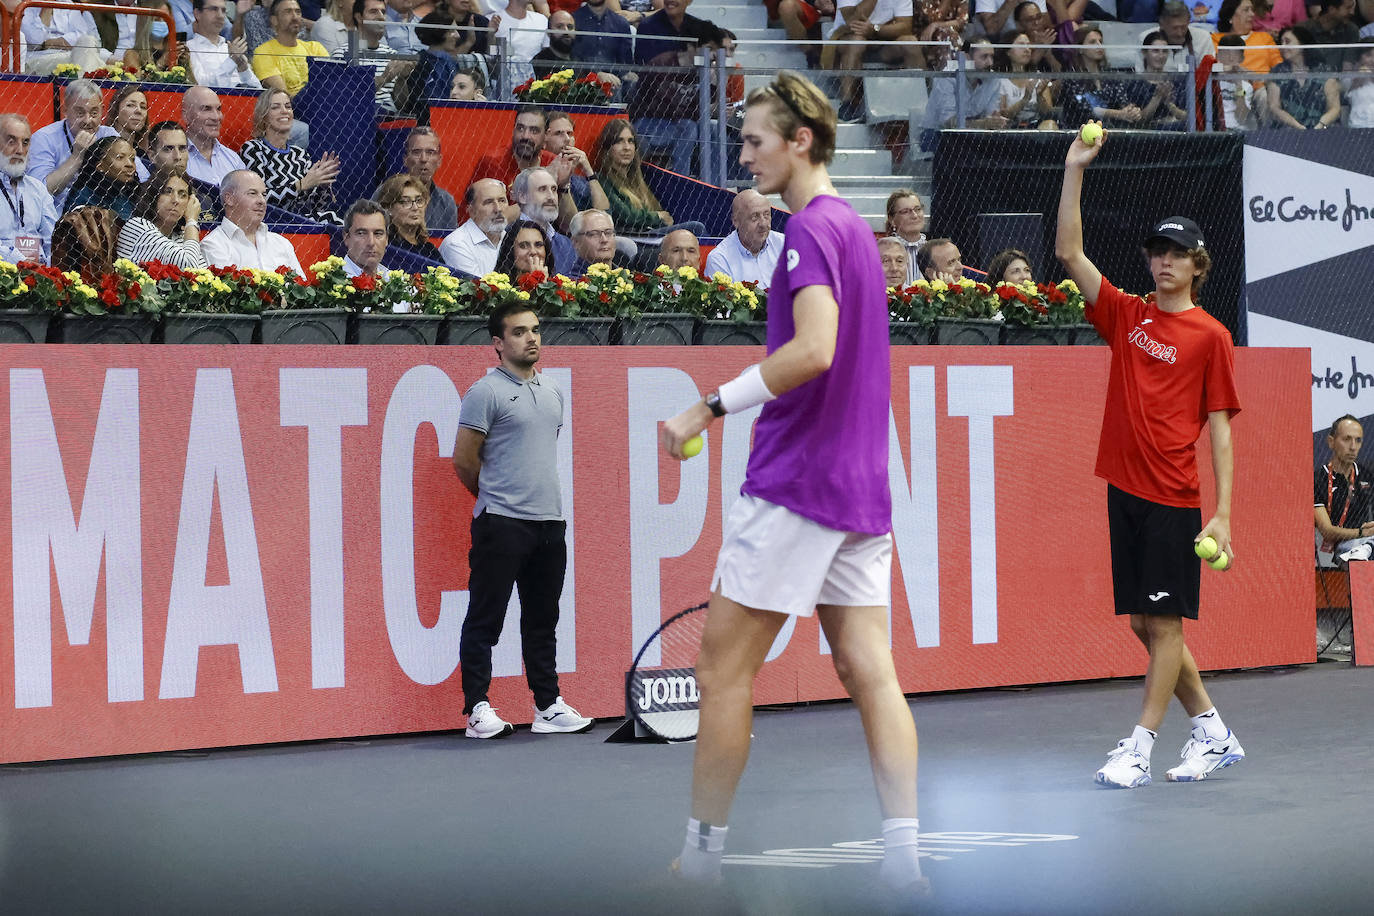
<point x="1223" y="466"/>
<point x="467" y="457"/>
<point x="1068" y="241"/>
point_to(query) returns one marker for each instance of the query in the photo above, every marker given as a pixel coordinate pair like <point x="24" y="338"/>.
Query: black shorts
<point x="1154" y="568"/>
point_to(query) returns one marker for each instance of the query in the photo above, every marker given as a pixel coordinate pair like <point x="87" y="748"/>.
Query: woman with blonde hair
<point x="293" y="182"/>
<point x="405" y="198"/>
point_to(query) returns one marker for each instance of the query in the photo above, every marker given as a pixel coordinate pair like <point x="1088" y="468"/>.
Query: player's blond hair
<point x="795" y="102"/>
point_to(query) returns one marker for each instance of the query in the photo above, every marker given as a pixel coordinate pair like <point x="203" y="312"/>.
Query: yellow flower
<point x="524" y="296"/>
<point x="19" y="290"/>
<point x="1068" y="286"/>
<point x="564" y="74"/>
<point x="125" y="264"/>
<point x="939" y="286"/>
<point x="966" y="283"/>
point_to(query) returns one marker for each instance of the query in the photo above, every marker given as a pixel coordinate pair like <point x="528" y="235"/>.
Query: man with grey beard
<point x="27" y="214"/>
<point x="536" y="193"/>
<point x="472" y="247"/>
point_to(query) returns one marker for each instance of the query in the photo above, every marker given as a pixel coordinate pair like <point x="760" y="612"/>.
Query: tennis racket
<point x="661" y="686"/>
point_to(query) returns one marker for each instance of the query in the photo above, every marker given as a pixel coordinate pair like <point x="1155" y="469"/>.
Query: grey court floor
<point x="569" y="824"/>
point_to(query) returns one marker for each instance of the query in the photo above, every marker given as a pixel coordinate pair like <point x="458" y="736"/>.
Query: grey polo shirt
<point x="521" y="420"/>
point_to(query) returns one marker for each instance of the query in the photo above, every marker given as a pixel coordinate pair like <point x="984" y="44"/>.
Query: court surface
<point x="569" y="824"/>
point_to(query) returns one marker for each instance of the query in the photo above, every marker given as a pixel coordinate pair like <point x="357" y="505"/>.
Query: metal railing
<point x="11" y="36"/>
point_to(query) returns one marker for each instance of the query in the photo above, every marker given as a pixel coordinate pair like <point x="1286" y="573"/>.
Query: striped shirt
<point x="379" y="58"/>
<point x="140" y="241"/>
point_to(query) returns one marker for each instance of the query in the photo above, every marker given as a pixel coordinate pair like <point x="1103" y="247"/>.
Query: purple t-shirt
<point x="821" y="449"/>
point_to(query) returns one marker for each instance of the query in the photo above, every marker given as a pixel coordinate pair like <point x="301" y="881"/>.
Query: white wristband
<point x="748" y="390"/>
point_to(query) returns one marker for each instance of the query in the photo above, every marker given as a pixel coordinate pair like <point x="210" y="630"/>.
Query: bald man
<point x="680" y="248"/>
<point x="208" y="160"/>
<point x="751" y="251"/>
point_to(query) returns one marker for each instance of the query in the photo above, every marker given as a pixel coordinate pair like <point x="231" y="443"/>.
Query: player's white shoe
<point x="1126" y="767"/>
<point x="483" y="722"/>
<point x="559" y="717"/>
<point x="1202" y="755"/>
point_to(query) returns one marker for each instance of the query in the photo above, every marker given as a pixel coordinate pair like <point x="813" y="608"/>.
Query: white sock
<point x="1144" y="739"/>
<point x="702" y="851"/>
<point x="1210" y="724"/>
<point x="901" y="857"/>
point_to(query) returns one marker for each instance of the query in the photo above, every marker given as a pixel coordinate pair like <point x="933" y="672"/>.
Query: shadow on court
<point x="567" y="824"/>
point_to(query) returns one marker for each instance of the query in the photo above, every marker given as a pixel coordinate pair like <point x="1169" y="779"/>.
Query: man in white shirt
<point x="472" y="247"/>
<point x="1185" y="37"/>
<point x="215" y="61"/>
<point x="527" y="32"/>
<point x="209" y="161"/>
<point x="27" y="216"/>
<point x="56" y="151"/>
<point x="365" y="238"/>
<point x="751" y="251"/>
<point x="241" y="240"/>
<point x="870" y="21"/>
<point x="400" y="32"/>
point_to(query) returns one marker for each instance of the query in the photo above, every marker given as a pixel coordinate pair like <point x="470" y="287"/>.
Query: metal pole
<point x="959" y="87"/>
<point x="503" y="86"/>
<point x="1192" y="93"/>
<point x="704" y="114"/>
<point x="722" y="83"/>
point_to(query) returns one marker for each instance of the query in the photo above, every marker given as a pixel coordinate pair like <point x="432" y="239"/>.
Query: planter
<point x="667" y="329"/>
<point x="23" y="326"/>
<point x="398" y="329"/>
<point x="1042" y="334"/>
<point x="576" y="332"/>
<point x="906" y="333"/>
<point x="106" y="329"/>
<point x="467" y="331"/>
<point x="724" y="333"/>
<point x="959" y="332"/>
<point x="305" y="326"/>
<point x="204" y="328"/>
<point x="1085" y="335"/>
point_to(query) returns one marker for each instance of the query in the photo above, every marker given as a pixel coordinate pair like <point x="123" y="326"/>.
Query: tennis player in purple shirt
<point x="811" y="531"/>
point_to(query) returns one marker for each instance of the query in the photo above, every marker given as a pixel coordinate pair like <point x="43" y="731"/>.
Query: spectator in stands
<point x="680" y="248"/>
<point x="1026" y="102"/>
<point x="593" y="235"/>
<point x="128" y="117"/>
<point x="165" y="225"/>
<point x="1302" y="102"/>
<point x="939" y="259"/>
<point x="242" y="239"/>
<point x="801" y="19"/>
<point x="895" y="262"/>
<point x="283" y="62"/>
<point x="368" y="18"/>
<point x="906" y="222"/>
<point x="107" y="178"/>
<point x="423" y="158"/>
<point x="293" y="182"/>
<point x="997" y="16"/>
<point x="252" y="23"/>
<point x="55" y="37"/>
<point x="980" y="98"/>
<point x="216" y="61"/>
<point x="1334" y="25"/>
<point x="468" y="86"/>
<point x="208" y="159"/>
<point x="474" y="35"/>
<point x="751" y="251"/>
<point x="1237" y="17"/>
<point x="665" y="106"/>
<point x="1240" y="100"/>
<point x="432" y="75"/>
<point x="526" y="150"/>
<point x="405" y="199"/>
<point x="525" y="31"/>
<point x="1010" y="265"/>
<point x="634" y="208"/>
<point x="165" y="146"/>
<point x="401" y="22"/>
<point x="28" y="217"/>
<point x="149" y="47"/>
<point x="523" y="251"/>
<point x="332" y="27"/>
<point x="1360" y="88"/>
<point x="875" y="22"/>
<point x="1088" y="96"/>
<point x="614" y="50"/>
<point x="1175" y="21"/>
<point x="535" y="192"/>
<point x="1163" y="97"/>
<point x="571" y="167"/>
<point x="1342" y="506"/>
<point x="557" y="52"/>
<point x="472" y="247"/>
<point x="365" y="238"/>
<point x="84" y="241"/>
<point x="58" y="149"/>
<point x="1281" y="14"/>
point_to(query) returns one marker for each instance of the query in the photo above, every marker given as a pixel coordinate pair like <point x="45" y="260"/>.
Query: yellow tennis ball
<point x="692" y="447"/>
<point x="1090" y="133"/>
<point x="1206" y="548"/>
<point x="1219" y="562"/>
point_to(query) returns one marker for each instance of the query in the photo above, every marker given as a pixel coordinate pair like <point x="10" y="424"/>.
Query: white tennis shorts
<point x="773" y="559"/>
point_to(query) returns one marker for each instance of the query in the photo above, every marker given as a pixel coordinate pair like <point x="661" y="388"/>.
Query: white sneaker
<point x="1201" y="755"/>
<point x="1126" y="767"/>
<point x="559" y="717"/>
<point x="483" y="722"/>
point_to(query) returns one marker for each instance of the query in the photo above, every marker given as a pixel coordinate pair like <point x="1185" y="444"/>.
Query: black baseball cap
<point x="1180" y="230"/>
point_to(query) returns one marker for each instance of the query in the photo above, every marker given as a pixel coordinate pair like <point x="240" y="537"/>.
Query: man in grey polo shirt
<point x="506" y="455"/>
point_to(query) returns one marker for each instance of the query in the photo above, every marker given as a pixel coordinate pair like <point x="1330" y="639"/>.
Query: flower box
<point x="24" y="326"/>
<point x="577" y="332"/>
<point x="906" y="333"/>
<point x="401" y="328"/>
<point x="208" y="328"/>
<point x="1085" y="335"/>
<point x="106" y="329"/>
<point x="467" y="331"/>
<point x="959" y="332"/>
<point x="305" y="326"/>
<point x="657" y="329"/>
<point x="1042" y="334"/>
<point x="723" y="333"/>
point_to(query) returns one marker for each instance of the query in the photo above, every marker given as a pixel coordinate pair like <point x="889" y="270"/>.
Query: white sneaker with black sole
<point x="483" y="722"/>
<point x="1203" y="755"/>
<point x="1126" y="767"/>
<point x="558" y="718"/>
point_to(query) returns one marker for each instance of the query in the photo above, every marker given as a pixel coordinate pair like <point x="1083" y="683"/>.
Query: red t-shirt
<point x="501" y="165"/>
<point x="1169" y="370"/>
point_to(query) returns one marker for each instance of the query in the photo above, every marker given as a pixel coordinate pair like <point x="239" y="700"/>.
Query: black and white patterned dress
<point x="281" y="171"/>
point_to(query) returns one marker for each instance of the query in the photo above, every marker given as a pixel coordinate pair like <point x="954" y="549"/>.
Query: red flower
<point x="604" y="298"/>
<point x="135" y="290"/>
<point x="1005" y="292"/>
<point x="110" y="298"/>
<point x="30" y="281"/>
<point x="283" y="270"/>
<point x="641" y="278"/>
<point x="530" y="280"/>
<point x="364" y="283"/>
<point x="264" y="295"/>
<point x="565" y="295"/>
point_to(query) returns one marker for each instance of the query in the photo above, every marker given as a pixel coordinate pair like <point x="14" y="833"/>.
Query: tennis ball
<point x="1090" y="133"/>
<point x="1219" y="562"/>
<point x="1206" y="548"/>
<point x="692" y="447"/>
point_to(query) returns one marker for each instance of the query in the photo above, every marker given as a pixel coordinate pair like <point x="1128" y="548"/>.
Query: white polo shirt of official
<point x="229" y="246"/>
<point x="468" y="249"/>
<point x="731" y="258"/>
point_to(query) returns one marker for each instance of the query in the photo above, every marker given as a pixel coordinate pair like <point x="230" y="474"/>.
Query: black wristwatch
<point x="713" y="402"/>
